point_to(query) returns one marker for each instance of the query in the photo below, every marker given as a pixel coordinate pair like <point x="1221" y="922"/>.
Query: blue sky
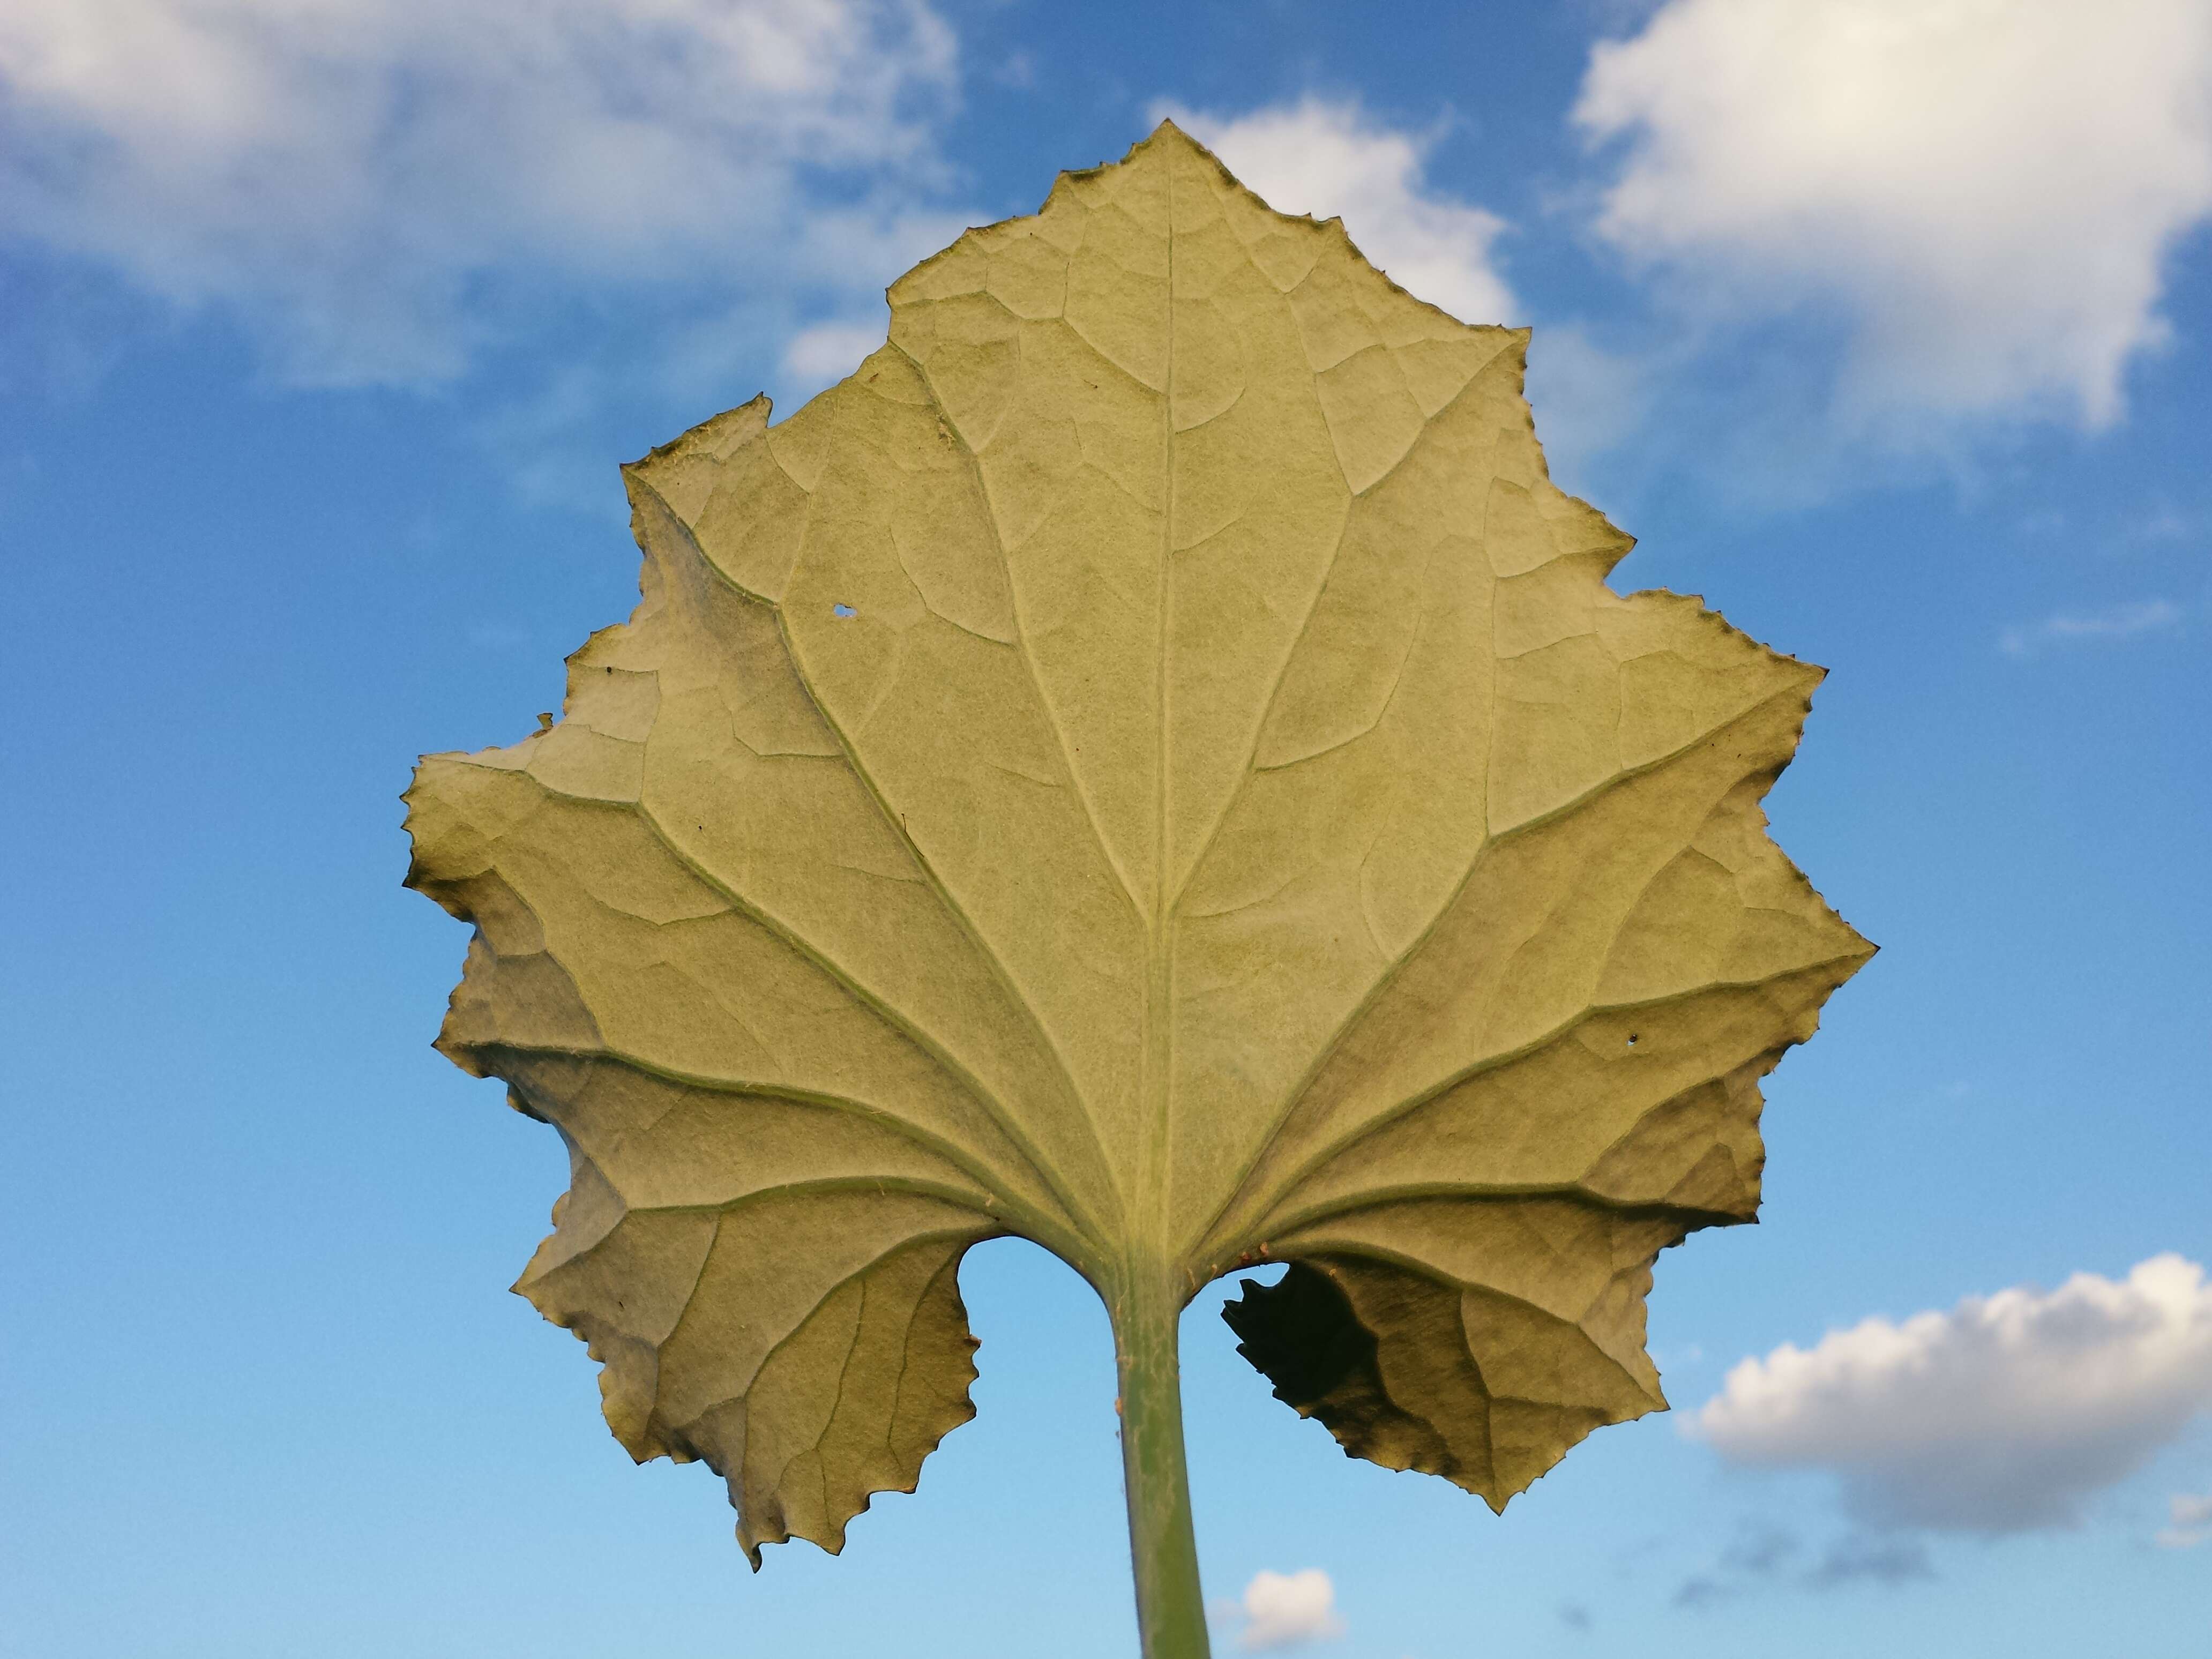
<point x="1885" y="325"/>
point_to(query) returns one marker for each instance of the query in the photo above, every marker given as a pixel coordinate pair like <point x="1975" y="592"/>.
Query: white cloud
<point x="2001" y="1415"/>
<point x="2120" y="622"/>
<point x="1587" y="399"/>
<point x="2192" y="1522"/>
<point x="1329" y="160"/>
<point x="1285" y="1609"/>
<point x="1985" y="188"/>
<point x="830" y="351"/>
<point x="348" y="176"/>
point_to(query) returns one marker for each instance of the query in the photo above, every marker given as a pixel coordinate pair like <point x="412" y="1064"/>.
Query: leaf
<point x="1149" y="764"/>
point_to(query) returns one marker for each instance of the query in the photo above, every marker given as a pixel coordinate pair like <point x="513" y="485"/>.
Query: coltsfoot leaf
<point x="1149" y="764"/>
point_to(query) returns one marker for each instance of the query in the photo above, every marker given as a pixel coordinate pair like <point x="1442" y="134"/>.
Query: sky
<point x="1884" y="324"/>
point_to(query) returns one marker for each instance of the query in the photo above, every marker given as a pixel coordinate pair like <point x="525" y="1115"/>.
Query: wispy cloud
<point x="1767" y="1556"/>
<point x="2166" y="523"/>
<point x="1288" y="1609"/>
<point x="1857" y="1558"/>
<point x="1999" y="1416"/>
<point x="375" y="190"/>
<point x="1759" y="1554"/>
<point x="2120" y="622"/>
<point x="1700" y="1590"/>
<point x="2191" y="1518"/>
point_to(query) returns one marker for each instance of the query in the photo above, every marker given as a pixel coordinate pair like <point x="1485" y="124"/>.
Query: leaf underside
<point x="1149" y="764"/>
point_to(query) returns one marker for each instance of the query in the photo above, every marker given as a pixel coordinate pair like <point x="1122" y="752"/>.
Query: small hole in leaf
<point x="842" y="611"/>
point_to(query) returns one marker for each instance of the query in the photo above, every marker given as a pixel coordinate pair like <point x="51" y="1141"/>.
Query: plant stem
<point x="1171" y="1610"/>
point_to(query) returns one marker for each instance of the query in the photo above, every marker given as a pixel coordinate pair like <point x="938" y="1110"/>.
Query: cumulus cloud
<point x="1287" y="1609"/>
<point x="2001" y="1415"/>
<point x="1329" y="160"/>
<point x="2193" y="1521"/>
<point x="1983" y="191"/>
<point x="349" y="177"/>
<point x="2119" y="621"/>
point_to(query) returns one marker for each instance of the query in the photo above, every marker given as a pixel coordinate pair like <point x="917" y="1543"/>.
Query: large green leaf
<point x="1149" y="764"/>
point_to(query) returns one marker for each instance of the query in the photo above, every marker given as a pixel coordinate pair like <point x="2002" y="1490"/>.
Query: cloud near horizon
<point x="2002" y="1415"/>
